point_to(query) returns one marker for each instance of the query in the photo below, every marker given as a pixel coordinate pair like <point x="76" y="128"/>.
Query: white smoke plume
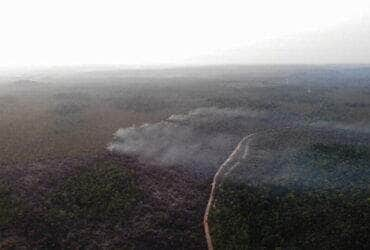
<point x="200" y="139"/>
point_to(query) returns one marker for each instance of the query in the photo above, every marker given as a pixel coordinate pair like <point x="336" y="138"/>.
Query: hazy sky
<point x="69" y="32"/>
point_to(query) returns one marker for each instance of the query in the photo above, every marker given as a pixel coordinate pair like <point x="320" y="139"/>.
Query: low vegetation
<point x="9" y="207"/>
<point x="71" y="117"/>
<point x="327" y="206"/>
<point x="96" y="195"/>
<point x="88" y="205"/>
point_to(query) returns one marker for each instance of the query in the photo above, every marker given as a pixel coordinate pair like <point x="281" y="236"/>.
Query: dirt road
<point x="240" y="151"/>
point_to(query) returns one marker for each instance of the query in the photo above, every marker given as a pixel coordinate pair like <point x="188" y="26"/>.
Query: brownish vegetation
<point x="101" y="201"/>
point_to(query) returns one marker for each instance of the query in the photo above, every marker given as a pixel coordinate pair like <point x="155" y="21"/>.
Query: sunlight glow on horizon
<point x="44" y="32"/>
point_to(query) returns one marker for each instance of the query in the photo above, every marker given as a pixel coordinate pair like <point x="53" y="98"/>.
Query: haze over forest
<point x="185" y="125"/>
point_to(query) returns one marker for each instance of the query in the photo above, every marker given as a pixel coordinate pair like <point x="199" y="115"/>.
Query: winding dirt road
<point x="241" y="150"/>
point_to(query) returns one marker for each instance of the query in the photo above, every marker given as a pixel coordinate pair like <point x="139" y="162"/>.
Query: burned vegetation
<point x="106" y="201"/>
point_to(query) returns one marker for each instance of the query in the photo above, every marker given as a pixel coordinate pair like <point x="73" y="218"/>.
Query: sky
<point x="161" y="32"/>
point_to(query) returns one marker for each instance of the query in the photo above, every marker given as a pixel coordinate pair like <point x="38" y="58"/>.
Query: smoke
<point x="201" y="139"/>
<point x="334" y="156"/>
<point x="359" y="127"/>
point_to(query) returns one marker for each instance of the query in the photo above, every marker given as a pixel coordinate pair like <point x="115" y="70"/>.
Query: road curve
<point x="241" y="149"/>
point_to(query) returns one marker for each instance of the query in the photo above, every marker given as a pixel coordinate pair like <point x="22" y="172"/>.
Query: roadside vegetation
<point x="325" y="204"/>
